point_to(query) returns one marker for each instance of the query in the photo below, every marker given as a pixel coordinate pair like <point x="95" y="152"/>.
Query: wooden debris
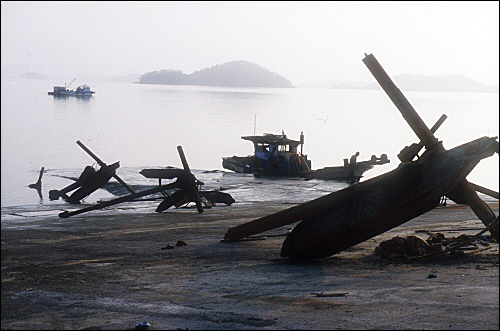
<point x="185" y="183"/>
<point x="89" y="181"/>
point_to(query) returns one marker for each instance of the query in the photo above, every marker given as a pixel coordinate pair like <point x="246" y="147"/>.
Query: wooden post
<point x="101" y="163"/>
<point x="466" y="192"/>
<point x="38" y="184"/>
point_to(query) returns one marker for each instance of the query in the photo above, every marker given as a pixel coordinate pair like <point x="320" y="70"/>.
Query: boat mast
<point x="301" y="142"/>
<point x="254" y="123"/>
<point x="69" y="83"/>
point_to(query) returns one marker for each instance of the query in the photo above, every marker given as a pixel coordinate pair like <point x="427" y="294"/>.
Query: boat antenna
<point x="301" y="141"/>
<point x="254" y="123"/>
<point x="70" y="83"/>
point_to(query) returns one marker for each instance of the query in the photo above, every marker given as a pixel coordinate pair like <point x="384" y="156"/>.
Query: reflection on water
<point x="82" y="98"/>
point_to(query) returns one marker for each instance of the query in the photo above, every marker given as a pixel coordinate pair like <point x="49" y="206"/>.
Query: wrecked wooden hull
<point x="101" y="177"/>
<point x="384" y="202"/>
<point x="341" y="173"/>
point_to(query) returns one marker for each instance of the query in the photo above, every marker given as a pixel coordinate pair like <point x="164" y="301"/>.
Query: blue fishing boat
<point x="277" y="155"/>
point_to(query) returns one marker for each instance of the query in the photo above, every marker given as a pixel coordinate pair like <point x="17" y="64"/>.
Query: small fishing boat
<point x="80" y="91"/>
<point x="277" y="155"/>
<point x="274" y="155"/>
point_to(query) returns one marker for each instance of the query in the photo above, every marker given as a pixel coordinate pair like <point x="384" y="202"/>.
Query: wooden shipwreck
<point x="185" y="183"/>
<point x="89" y="181"/>
<point x="342" y="219"/>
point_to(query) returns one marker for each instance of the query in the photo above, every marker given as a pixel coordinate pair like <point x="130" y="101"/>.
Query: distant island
<point x="229" y="74"/>
<point x="409" y="82"/>
<point x="442" y="83"/>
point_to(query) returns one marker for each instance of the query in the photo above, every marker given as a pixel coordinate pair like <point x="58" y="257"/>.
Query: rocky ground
<point x="112" y="270"/>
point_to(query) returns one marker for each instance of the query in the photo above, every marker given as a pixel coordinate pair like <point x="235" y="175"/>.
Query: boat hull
<point x="367" y="209"/>
<point x="263" y="167"/>
<point x="82" y="91"/>
<point x="246" y="165"/>
<point x="68" y="94"/>
<point x="342" y="173"/>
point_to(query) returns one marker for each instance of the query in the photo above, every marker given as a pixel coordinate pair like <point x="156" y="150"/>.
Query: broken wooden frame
<point x="186" y="183"/>
<point x="344" y="218"/>
<point x="89" y="181"/>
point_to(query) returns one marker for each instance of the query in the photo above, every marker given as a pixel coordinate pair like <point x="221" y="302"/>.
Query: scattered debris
<point x="89" y="181"/>
<point x="186" y="186"/>
<point x="414" y="247"/>
<point x="406" y="247"/>
<point x="168" y="247"/>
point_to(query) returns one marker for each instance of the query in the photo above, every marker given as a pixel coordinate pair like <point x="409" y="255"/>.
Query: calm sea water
<point x="141" y="126"/>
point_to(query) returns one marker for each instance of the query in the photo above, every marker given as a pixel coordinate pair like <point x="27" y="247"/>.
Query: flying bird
<point x="320" y="119"/>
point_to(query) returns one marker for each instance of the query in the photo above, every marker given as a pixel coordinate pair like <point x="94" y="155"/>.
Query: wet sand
<point x="107" y="270"/>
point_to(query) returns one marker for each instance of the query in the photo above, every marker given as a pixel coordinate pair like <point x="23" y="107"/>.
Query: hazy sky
<point x="302" y="41"/>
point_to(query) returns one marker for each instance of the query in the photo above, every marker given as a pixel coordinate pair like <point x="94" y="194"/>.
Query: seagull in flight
<point x="320" y="119"/>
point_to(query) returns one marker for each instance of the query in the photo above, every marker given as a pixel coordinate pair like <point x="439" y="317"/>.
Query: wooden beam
<point x="486" y="191"/>
<point x="129" y="197"/>
<point x="288" y="216"/>
<point x="405" y="108"/>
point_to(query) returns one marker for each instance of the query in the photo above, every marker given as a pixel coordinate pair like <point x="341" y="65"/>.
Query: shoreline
<point x="110" y="270"/>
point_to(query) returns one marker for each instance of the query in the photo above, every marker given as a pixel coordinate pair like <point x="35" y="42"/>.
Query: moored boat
<point x="274" y="155"/>
<point x="81" y="91"/>
<point x="277" y="155"/>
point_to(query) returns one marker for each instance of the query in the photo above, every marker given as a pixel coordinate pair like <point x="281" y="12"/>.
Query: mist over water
<point x="141" y="126"/>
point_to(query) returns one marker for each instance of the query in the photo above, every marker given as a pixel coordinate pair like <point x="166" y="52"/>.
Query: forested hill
<point x="230" y="74"/>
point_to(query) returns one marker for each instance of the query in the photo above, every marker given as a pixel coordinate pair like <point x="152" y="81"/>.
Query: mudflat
<point x="114" y="269"/>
